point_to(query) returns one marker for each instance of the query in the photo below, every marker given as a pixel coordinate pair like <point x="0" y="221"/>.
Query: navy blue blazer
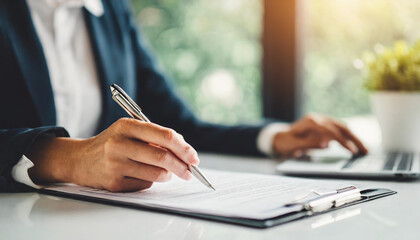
<point x="27" y="109"/>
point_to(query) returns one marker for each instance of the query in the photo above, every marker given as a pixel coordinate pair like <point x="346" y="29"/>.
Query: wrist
<point x="55" y="160"/>
<point x="279" y="142"/>
<point x="266" y="137"/>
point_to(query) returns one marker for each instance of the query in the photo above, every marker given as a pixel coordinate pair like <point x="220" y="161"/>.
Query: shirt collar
<point x="95" y="7"/>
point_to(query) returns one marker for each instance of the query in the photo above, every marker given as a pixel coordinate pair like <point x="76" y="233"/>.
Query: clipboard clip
<point x="327" y="201"/>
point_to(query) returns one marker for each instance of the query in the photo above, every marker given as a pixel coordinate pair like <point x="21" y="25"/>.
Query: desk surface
<point x="36" y="216"/>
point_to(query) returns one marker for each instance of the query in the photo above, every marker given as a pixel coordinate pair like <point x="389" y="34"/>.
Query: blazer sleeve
<point x="161" y="104"/>
<point x="13" y="145"/>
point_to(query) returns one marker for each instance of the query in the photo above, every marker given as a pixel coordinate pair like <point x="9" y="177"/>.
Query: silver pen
<point x="135" y="112"/>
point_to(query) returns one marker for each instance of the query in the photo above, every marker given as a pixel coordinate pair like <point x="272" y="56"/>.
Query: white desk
<point x="35" y="216"/>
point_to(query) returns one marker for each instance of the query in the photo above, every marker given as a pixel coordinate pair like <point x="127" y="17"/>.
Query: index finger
<point x="352" y="137"/>
<point x="163" y="137"/>
<point x="336" y="134"/>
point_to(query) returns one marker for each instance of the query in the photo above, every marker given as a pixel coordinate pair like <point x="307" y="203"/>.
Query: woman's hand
<point x="315" y="131"/>
<point x="118" y="159"/>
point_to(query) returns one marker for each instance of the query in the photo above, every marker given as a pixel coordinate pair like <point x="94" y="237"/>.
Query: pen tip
<point x="211" y="187"/>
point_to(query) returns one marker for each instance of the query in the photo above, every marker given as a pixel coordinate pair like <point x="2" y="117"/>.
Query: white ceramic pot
<point x="398" y="114"/>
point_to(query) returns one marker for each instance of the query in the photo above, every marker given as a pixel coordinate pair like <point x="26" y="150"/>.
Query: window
<point x="310" y="52"/>
<point x="212" y="51"/>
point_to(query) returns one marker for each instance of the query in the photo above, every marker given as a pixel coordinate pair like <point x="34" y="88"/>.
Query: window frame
<point x="281" y="83"/>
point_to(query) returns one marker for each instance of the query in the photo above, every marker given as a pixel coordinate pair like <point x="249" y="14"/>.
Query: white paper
<point x="241" y="195"/>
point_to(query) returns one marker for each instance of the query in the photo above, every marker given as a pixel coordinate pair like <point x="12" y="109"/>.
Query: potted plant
<point x="393" y="78"/>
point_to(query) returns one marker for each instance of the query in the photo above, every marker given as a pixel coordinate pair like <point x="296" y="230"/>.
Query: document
<point x="238" y="195"/>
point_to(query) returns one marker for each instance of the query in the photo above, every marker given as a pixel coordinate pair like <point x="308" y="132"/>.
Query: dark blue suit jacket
<point x="27" y="108"/>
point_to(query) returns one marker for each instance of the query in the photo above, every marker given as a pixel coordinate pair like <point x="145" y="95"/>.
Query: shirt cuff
<point x="266" y="136"/>
<point x="20" y="172"/>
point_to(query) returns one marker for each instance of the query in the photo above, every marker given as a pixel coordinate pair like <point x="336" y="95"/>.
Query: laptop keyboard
<point x="405" y="161"/>
<point x="350" y="162"/>
<point x="391" y="159"/>
<point x="394" y="161"/>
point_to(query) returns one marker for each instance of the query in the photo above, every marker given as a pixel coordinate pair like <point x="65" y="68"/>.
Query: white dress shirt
<point x="65" y="41"/>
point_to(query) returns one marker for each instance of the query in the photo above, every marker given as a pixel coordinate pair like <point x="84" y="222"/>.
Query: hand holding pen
<point x="119" y="159"/>
<point x="135" y="111"/>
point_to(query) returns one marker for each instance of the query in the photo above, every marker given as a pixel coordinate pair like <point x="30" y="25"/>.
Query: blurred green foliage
<point x="334" y="34"/>
<point x="211" y="50"/>
<point x="393" y="69"/>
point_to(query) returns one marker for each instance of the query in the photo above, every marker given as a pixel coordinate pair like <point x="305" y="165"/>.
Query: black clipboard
<point x="365" y="195"/>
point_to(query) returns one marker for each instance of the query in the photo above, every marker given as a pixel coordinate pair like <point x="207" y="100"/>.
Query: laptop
<point x="397" y="165"/>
